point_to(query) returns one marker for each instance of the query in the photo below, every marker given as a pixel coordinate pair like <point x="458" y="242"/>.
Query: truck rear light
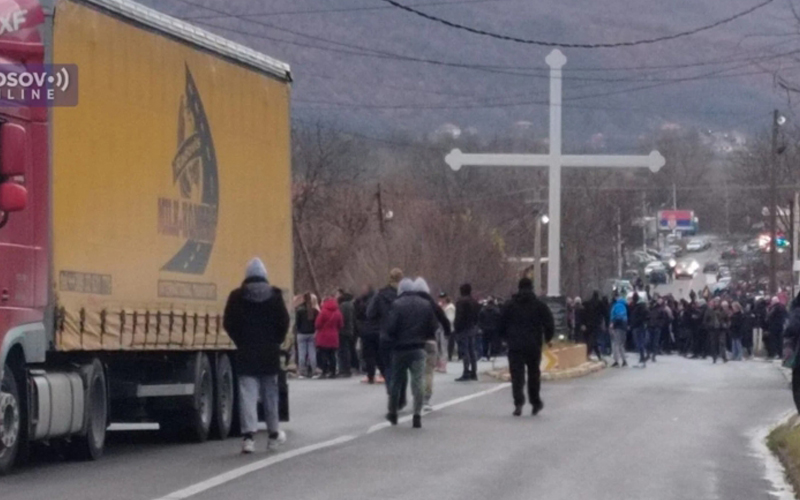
<point x="13" y="197"/>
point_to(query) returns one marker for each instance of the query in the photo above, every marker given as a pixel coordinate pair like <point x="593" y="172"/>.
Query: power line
<point x="545" y="43"/>
<point x="343" y="9"/>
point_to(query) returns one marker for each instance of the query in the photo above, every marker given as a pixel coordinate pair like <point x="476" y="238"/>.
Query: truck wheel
<point x="95" y="420"/>
<point x="10" y="420"/>
<point x="223" y="397"/>
<point x="202" y="409"/>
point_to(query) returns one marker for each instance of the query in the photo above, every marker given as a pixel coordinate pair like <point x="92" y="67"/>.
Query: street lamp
<point x="777" y="121"/>
<point x="537" y="253"/>
<point x="545" y="219"/>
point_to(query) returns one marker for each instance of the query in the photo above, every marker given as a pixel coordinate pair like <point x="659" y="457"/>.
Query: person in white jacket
<point x="446" y="355"/>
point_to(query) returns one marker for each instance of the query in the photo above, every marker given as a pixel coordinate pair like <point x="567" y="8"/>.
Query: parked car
<point x="697" y="245"/>
<point x="729" y="253"/>
<point x="658" y="277"/>
<point x="631" y="275"/>
<point x="676" y="250"/>
<point x="711" y="268"/>
<point x="724" y="271"/>
<point x="654" y="266"/>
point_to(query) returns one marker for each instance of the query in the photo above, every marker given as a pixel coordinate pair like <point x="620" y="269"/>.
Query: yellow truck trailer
<point x="145" y="200"/>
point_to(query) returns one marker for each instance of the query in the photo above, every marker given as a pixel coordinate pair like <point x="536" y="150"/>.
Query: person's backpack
<point x="618" y="315"/>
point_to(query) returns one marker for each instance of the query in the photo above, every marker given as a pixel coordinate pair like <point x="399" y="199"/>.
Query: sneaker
<point x="624" y="364"/>
<point x="248" y="446"/>
<point x="301" y="377"/>
<point x="464" y="378"/>
<point x="473" y="376"/>
<point x="316" y="377"/>
<point x="392" y="418"/>
<point x="417" y="422"/>
<point x="379" y="379"/>
<point x="276" y="441"/>
<point x="537" y="407"/>
<point x="517" y="411"/>
<point x="615" y="365"/>
<point x="427" y="408"/>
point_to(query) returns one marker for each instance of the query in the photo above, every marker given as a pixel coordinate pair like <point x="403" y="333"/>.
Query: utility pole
<point x="727" y="209"/>
<point x="674" y="196"/>
<point x="537" y="256"/>
<point x="644" y="223"/>
<point x="380" y="209"/>
<point x="795" y="238"/>
<point x="619" y="242"/>
<point x="773" y="207"/>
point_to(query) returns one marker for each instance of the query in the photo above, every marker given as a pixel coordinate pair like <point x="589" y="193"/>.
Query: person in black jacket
<point x="411" y="323"/>
<point x="489" y="322"/>
<point x="466" y="326"/>
<point x="431" y="344"/>
<point x="638" y="321"/>
<point x="791" y="337"/>
<point x="525" y="323"/>
<point x="369" y="338"/>
<point x="378" y="314"/>
<point x="594" y="314"/>
<point x="257" y="321"/>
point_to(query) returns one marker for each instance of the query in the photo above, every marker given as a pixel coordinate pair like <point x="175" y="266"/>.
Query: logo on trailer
<point x="192" y="217"/>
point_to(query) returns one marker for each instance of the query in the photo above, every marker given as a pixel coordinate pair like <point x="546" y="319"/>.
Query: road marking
<point x="231" y="475"/>
<point x="253" y="467"/>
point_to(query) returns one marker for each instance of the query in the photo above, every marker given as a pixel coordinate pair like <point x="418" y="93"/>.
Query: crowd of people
<point x="405" y="336"/>
<point x="704" y="326"/>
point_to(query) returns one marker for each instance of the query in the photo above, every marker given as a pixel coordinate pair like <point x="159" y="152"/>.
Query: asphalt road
<point x="678" y="429"/>
<point x="680" y="288"/>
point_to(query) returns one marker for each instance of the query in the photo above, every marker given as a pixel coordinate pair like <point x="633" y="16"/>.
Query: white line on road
<point x="229" y="476"/>
<point x="253" y="467"/>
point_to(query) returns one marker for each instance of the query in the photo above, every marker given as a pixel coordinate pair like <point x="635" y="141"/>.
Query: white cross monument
<point x="555" y="160"/>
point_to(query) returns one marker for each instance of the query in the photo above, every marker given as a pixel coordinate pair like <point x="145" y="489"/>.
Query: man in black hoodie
<point x="638" y="320"/>
<point x="347" y="334"/>
<point x="378" y="315"/>
<point x="525" y="323"/>
<point x="257" y="321"/>
<point x="466" y="326"/>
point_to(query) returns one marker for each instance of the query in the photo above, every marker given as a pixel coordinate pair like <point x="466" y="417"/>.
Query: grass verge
<point x="784" y="442"/>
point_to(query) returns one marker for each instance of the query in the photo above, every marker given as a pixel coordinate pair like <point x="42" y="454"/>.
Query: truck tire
<point x="89" y="446"/>
<point x="224" y="397"/>
<point x="10" y="419"/>
<point x="202" y="409"/>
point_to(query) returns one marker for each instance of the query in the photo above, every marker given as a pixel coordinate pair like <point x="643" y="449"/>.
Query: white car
<point x="695" y="246"/>
<point x="654" y="266"/>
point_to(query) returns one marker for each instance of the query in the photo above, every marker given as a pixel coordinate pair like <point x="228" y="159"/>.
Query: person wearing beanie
<point x="432" y="344"/>
<point x="525" y="324"/>
<point x="411" y="323"/>
<point x="257" y="321"/>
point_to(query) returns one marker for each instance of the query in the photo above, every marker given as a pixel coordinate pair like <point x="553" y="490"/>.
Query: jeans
<point x="403" y="362"/>
<point x="758" y="340"/>
<point x="250" y="387"/>
<point x="517" y="362"/>
<point x="306" y="353"/>
<point x="431" y="360"/>
<point x="327" y="358"/>
<point x="654" y="344"/>
<point x="345" y="350"/>
<point x="370" y="346"/>
<point x="466" y="347"/>
<point x="618" y="343"/>
<point x="736" y="348"/>
<point x="640" y="334"/>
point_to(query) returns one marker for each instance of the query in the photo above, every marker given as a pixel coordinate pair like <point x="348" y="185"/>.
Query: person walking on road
<point x="378" y="315"/>
<point x="257" y="321"/>
<point x="638" y="320"/>
<point x="619" y="331"/>
<point x="525" y="324"/>
<point x="304" y="319"/>
<point x="368" y="333"/>
<point x="412" y="321"/>
<point x="431" y="344"/>
<point x="347" y="334"/>
<point x="329" y="325"/>
<point x="446" y="344"/>
<point x="594" y="319"/>
<point x="467" y="316"/>
<point x="489" y="322"/>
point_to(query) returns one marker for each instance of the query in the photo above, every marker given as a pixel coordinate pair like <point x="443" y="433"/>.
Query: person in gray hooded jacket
<point x="412" y="321"/>
<point x="257" y="321"/>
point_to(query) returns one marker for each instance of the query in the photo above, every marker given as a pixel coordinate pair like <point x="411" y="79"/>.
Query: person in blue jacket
<point x="618" y="321"/>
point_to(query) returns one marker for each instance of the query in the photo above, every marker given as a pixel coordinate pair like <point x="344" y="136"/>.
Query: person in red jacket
<point x="329" y="323"/>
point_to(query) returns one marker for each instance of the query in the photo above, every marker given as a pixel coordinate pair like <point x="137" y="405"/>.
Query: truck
<point x="126" y="219"/>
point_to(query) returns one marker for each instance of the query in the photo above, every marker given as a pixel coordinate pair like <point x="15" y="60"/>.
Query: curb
<point x="579" y="371"/>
